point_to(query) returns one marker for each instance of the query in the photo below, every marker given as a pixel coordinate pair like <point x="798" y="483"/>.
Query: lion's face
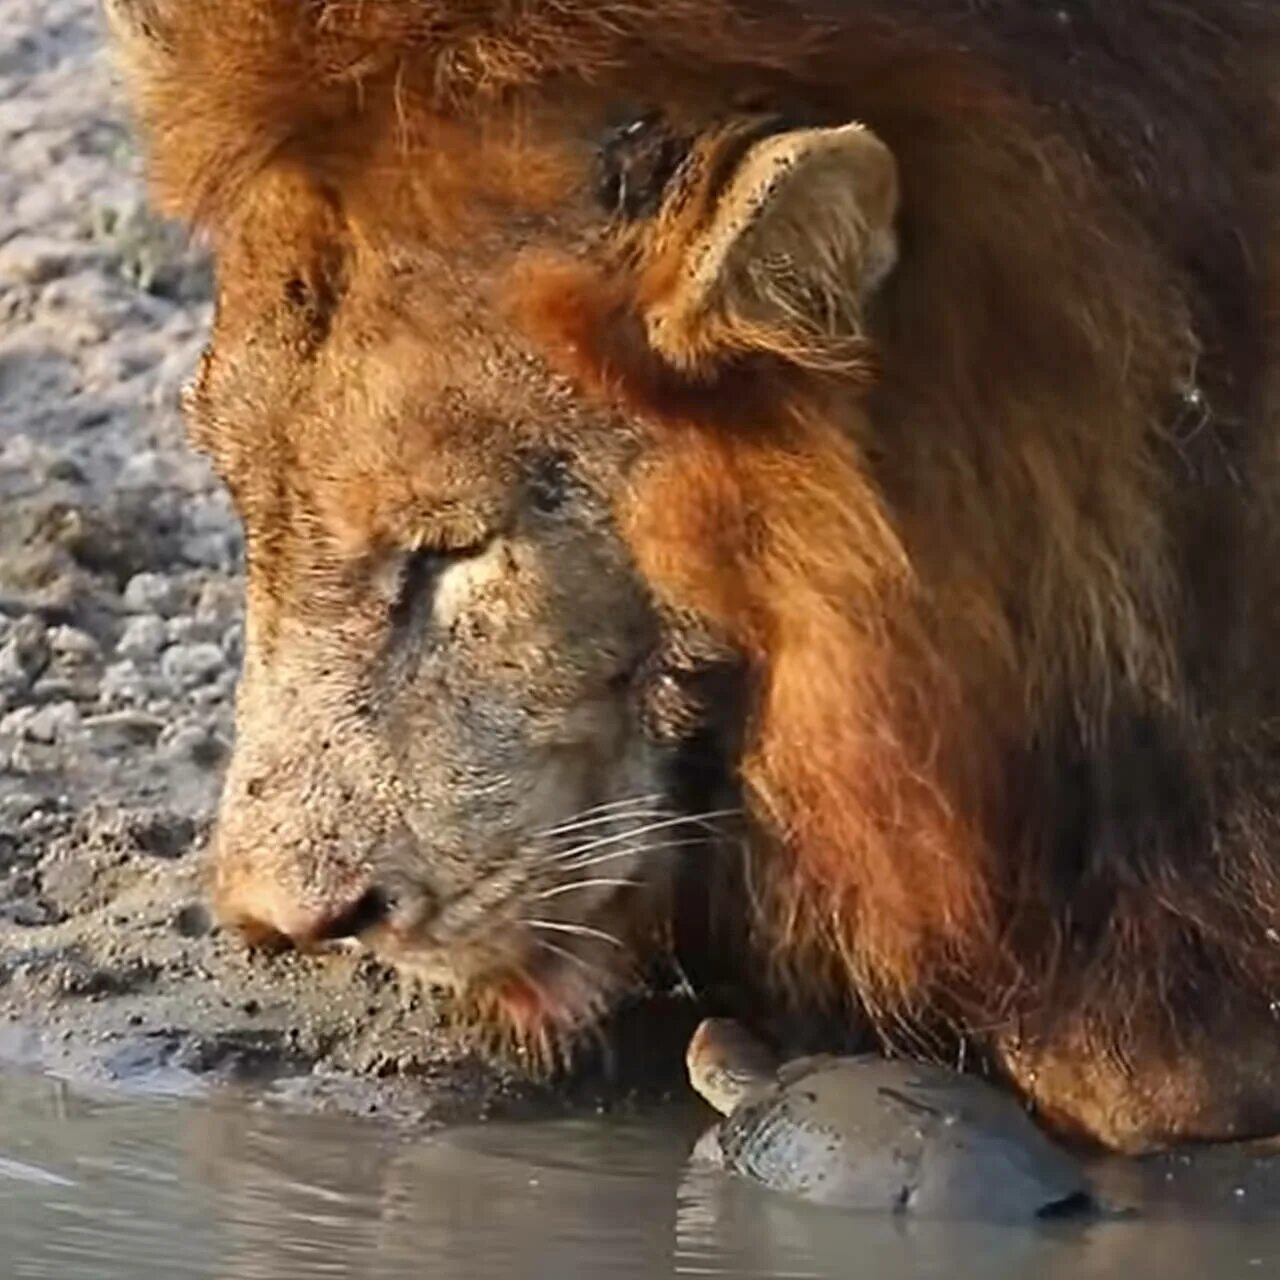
<point x="441" y="746"/>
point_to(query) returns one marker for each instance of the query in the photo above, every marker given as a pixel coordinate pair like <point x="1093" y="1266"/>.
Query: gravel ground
<point x="120" y="635"/>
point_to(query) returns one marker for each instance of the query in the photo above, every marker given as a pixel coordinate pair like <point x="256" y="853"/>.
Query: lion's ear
<point x="782" y="257"/>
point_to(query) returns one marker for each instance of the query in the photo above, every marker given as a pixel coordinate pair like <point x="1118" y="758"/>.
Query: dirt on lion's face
<point x="442" y="746"/>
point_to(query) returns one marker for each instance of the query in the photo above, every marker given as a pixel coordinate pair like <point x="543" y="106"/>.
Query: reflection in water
<point x="111" y="1189"/>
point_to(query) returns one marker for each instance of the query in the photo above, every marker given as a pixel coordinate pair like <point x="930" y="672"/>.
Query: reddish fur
<point x="951" y="579"/>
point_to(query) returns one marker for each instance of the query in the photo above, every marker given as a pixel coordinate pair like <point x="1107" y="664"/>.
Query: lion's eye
<point x="420" y="572"/>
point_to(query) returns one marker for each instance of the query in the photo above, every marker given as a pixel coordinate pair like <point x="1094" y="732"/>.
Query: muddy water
<point x="96" y="1187"/>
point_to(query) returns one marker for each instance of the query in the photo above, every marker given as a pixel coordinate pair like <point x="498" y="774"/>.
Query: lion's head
<point x="465" y="712"/>
<point x="784" y="449"/>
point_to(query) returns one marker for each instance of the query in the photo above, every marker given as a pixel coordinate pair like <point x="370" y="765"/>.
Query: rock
<point x="18" y="806"/>
<point x="153" y="593"/>
<point x="66" y="469"/>
<point x="143" y="471"/>
<point x="144" y="637"/>
<point x="122" y="730"/>
<point x="191" y="665"/>
<point x="44" y="724"/>
<point x="210" y="550"/>
<point x="193" y="743"/>
<point x="124" y="685"/>
<point x="14" y="723"/>
<point x="219" y="602"/>
<point x="20" y="453"/>
<point x="233" y="642"/>
<point x="31" y="913"/>
<point x="186" y="629"/>
<point x="71" y="642"/>
<point x="192" y="921"/>
<point x="24" y="655"/>
<point x="56" y="688"/>
<point x="208" y="696"/>
<point x="50" y="723"/>
<point x="34" y="259"/>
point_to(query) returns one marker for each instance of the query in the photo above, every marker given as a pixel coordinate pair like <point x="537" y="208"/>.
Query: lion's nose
<point x="273" y="915"/>
<point x="339" y="920"/>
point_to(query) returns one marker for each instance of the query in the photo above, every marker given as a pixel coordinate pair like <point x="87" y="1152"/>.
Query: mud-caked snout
<point x="305" y="818"/>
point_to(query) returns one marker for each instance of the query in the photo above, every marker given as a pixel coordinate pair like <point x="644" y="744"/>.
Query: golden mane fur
<point x="1009" y="730"/>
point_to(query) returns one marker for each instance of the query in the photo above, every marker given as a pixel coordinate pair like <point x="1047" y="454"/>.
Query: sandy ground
<point x="119" y="647"/>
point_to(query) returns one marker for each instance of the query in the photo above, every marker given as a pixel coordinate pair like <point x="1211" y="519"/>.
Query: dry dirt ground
<point x="119" y="647"/>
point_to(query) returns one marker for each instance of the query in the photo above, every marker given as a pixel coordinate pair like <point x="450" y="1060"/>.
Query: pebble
<point x="122" y="730"/>
<point x="33" y="259"/>
<point x="185" y="629"/>
<point x="24" y="655"/>
<point x="192" y="921"/>
<point x="210" y="550"/>
<point x="218" y="601"/>
<point x="71" y="642"/>
<point x="145" y="470"/>
<point x="144" y="637"/>
<point x="123" y="685"/>
<point x="193" y="743"/>
<point x="44" y="724"/>
<point x="190" y="665"/>
<point x="57" y="688"/>
<point x="153" y="593"/>
<point x="51" y="722"/>
<point x="233" y="642"/>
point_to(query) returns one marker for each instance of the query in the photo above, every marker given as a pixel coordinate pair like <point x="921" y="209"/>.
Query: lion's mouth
<point x="534" y="968"/>
<point x="551" y="937"/>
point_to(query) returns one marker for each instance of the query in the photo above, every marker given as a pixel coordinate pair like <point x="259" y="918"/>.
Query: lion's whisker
<point x="704" y="821"/>
<point x="635" y="850"/>
<point x="577" y="930"/>
<point x="601" y="812"/>
<point x="605" y="821"/>
<point x="598" y="883"/>
<point x="592" y="970"/>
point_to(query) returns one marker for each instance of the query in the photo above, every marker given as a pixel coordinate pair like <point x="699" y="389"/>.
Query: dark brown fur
<point x="1005" y="578"/>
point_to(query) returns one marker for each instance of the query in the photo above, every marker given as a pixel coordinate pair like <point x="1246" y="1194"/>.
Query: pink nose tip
<point x="274" y="916"/>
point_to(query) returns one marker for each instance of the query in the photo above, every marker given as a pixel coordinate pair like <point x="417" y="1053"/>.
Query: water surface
<point x="102" y="1187"/>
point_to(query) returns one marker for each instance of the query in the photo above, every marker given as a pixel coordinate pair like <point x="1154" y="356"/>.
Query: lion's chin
<point x="539" y="1005"/>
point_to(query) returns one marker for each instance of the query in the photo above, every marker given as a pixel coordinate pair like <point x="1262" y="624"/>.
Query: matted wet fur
<point x="913" y="359"/>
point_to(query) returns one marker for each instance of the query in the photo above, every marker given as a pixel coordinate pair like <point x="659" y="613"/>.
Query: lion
<point x="809" y="464"/>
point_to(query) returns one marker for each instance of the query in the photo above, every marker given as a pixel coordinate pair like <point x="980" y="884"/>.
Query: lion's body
<point x="998" y="544"/>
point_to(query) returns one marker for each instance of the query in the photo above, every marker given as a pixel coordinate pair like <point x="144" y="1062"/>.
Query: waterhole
<point x="98" y="1186"/>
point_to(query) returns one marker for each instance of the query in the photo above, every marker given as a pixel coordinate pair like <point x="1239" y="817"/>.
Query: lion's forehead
<point x="424" y="405"/>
